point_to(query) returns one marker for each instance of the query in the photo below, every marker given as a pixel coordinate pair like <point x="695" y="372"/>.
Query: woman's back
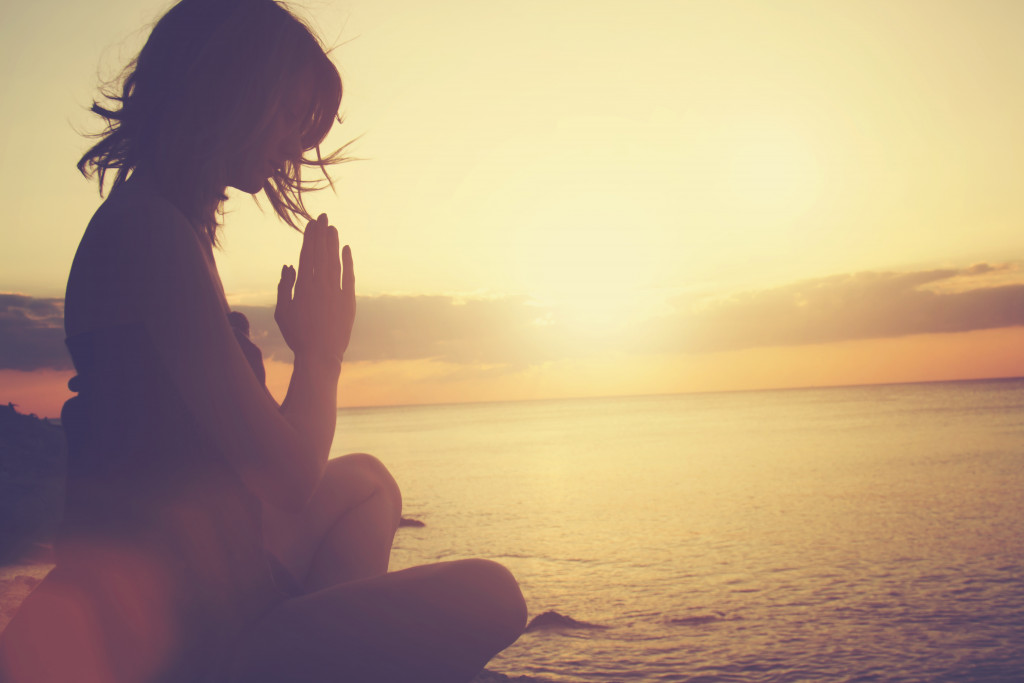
<point x="156" y="520"/>
<point x="158" y="525"/>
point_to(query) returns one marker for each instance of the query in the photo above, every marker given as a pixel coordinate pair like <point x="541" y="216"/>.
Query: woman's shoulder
<point x="137" y="228"/>
<point x="137" y="248"/>
<point x="136" y="209"/>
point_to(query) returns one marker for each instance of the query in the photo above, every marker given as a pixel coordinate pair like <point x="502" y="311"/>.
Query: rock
<point x="33" y="466"/>
<point x="554" y="621"/>
<point x="406" y="521"/>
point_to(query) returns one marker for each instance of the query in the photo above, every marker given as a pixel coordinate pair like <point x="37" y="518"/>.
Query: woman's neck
<point x="199" y="216"/>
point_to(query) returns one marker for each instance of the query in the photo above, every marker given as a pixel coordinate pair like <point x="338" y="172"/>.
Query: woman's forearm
<point x="311" y="406"/>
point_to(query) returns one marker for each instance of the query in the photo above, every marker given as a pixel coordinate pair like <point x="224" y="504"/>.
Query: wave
<point x="700" y="619"/>
<point x="486" y="676"/>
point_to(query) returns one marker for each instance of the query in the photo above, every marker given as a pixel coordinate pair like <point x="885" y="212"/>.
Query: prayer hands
<point x="318" y="318"/>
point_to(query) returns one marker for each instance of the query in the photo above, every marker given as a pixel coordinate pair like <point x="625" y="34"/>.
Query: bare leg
<point x="346" y="530"/>
<point x="437" y="623"/>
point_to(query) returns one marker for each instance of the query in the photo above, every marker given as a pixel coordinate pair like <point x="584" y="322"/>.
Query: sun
<point x="769" y="171"/>
<point x="589" y="259"/>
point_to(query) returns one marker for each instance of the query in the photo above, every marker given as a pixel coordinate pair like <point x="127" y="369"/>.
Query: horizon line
<point x="961" y="380"/>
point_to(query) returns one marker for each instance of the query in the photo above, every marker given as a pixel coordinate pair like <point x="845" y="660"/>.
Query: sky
<point x="571" y="198"/>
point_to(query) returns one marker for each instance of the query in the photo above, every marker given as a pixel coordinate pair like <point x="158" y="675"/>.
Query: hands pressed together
<point x="316" y="319"/>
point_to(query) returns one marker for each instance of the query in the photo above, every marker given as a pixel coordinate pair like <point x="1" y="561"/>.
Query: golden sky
<point x="591" y="198"/>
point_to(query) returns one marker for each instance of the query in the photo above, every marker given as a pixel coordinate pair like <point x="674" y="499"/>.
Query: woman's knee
<point x="494" y="589"/>
<point x="370" y="472"/>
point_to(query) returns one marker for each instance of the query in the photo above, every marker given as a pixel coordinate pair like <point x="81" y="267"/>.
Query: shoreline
<point x="17" y="580"/>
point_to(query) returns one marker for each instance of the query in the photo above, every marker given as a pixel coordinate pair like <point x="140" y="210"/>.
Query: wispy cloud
<point x="32" y="333"/>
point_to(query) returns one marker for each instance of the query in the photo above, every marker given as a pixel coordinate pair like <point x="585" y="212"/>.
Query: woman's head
<point x="224" y="93"/>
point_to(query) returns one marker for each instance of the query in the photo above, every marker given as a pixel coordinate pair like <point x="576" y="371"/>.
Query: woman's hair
<point x="203" y="90"/>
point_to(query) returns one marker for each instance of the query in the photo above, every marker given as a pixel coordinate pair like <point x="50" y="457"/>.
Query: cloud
<point x="844" y="307"/>
<point x="32" y="333"/>
<point x="506" y="330"/>
<point x="511" y="333"/>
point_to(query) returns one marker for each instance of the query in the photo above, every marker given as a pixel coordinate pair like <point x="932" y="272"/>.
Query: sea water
<point x="848" y="534"/>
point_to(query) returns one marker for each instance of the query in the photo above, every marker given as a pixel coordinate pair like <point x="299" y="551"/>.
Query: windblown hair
<point x="203" y="90"/>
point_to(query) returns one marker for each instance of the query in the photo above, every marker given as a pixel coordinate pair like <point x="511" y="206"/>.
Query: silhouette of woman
<point x="206" y="536"/>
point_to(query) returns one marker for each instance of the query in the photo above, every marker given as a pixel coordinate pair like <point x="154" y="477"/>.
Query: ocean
<point x="842" y="534"/>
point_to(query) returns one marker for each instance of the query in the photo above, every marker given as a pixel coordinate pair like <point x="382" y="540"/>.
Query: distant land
<point x="33" y="464"/>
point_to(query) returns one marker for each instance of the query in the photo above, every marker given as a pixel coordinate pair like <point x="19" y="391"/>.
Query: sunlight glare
<point x="772" y="166"/>
<point x="591" y="258"/>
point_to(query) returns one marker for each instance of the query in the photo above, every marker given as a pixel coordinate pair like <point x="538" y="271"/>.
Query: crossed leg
<point x="356" y="622"/>
<point x="345" y="531"/>
<point x="437" y="623"/>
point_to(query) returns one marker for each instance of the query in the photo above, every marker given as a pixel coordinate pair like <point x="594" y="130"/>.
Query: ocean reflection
<point x="841" y="534"/>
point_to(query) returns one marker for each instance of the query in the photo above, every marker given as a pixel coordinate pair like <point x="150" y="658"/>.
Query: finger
<point x="333" y="259"/>
<point x="305" y="276"/>
<point x="320" y="251"/>
<point x="284" y="288"/>
<point x="348" y="275"/>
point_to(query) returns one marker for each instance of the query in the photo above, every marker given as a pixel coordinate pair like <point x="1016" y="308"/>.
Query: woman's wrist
<point x="319" y="362"/>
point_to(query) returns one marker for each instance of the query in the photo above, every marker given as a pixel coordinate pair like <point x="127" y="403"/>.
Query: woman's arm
<point x="316" y="323"/>
<point x="279" y="453"/>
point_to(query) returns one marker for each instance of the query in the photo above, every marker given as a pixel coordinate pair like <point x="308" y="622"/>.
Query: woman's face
<point x="280" y="141"/>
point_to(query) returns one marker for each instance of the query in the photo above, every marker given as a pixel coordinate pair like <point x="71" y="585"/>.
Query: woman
<point x="207" y="538"/>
